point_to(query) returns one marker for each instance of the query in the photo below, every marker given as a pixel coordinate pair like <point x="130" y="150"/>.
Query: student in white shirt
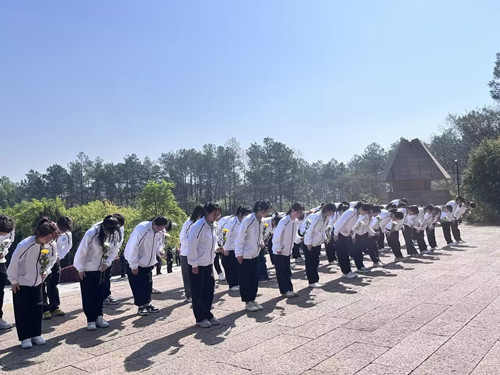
<point x="283" y="241"/>
<point x="247" y="247"/>
<point x="330" y="246"/>
<point x="184" y="235"/>
<point x="51" y="300"/>
<point x="110" y="300"/>
<point x="29" y="266"/>
<point x="373" y="235"/>
<point x="229" y="261"/>
<point x="221" y="224"/>
<point x="202" y="244"/>
<point x="430" y="231"/>
<point x="421" y="226"/>
<point x="144" y="245"/>
<point x="314" y="237"/>
<point x="409" y="224"/>
<point x="7" y="235"/>
<point x="392" y="233"/>
<point x="94" y="255"/>
<point x="446" y="219"/>
<point x="459" y="209"/>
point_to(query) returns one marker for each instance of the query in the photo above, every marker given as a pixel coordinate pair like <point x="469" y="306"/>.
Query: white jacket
<point x="184" y="235"/>
<point x="89" y="255"/>
<point x="424" y="222"/>
<point x="144" y="245"/>
<point x="249" y="240"/>
<point x="25" y="268"/>
<point x="315" y="234"/>
<point x="202" y="243"/>
<point x="9" y="238"/>
<point x="64" y="244"/>
<point x="346" y="222"/>
<point x="285" y="235"/>
<point x="233" y="226"/>
<point x="221" y="224"/>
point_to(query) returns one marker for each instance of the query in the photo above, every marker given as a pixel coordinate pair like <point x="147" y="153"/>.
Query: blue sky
<point x="116" y="77"/>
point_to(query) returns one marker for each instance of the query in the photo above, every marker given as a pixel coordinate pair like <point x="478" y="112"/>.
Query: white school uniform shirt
<point x="382" y="219"/>
<point x="9" y="240"/>
<point x="64" y="244"/>
<point x="401" y="223"/>
<point x="424" y="222"/>
<point x="361" y="225"/>
<point x="89" y="255"/>
<point x="411" y="220"/>
<point x="393" y="225"/>
<point x="285" y="235"/>
<point x="184" y="235"/>
<point x="233" y="226"/>
<point x="267" y="230"/>
<point x="346" y="222"/>
<point x="461" y="210"/>
<point x="144" y="245"/>
<point x="249" y="239"/>
<point x="202" y="243"/>
<point x="315" y="234"/>
<point x="25" y="268"/>
<point x="446" y="217"/>
<point x="454" y="205"/>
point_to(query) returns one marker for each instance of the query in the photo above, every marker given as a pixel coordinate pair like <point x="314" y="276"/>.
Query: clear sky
<point x="116" y="77"/>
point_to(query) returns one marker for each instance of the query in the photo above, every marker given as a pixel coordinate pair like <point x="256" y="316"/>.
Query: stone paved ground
<point x="439" y="314"/>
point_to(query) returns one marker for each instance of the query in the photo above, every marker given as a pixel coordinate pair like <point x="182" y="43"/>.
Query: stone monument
<point x="409" y="173"/>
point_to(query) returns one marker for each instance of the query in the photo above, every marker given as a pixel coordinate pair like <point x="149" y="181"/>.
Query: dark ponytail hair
<point x="65" y="223"/>
<point x="297" y="206"/>
<point x="7" y="224"/>
<point x="243" y="210"/>
<point x="44" y="227"/>
<point x="162" y="221"/>
<point x="328" y="207"/>
<point x="211" y="207"/>
<point x="197" y="213"/>
<point x="120" y="218"/>
<point x="111" y="225"/>
<point x="261" y="206"/>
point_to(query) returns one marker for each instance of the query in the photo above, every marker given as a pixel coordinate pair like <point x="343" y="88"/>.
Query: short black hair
<point x="398" y="215"/>
<point x="7" y="224"/>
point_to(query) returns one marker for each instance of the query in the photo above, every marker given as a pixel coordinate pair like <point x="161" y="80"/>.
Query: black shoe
<point x="152" y="309"/>
<point x="143" y="311"/>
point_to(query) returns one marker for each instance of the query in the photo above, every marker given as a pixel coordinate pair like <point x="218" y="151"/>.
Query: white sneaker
<point x="249" y="306"/>
<point x="5" y="325"/>
<point x="455" y="243"/>
<point x="364" y="270"/>
<point x="259" y="307"/>
<point x="462" y="241"/>
<point x="38" y="340"/>
<point x="288" y="294"/>
<point x="222" y="277"/>
<point x="350" y="275"/>
<point x="188" y="300"/>
<point x="214" y="321"/>
<point x="235" y="288"/>
<point x="378" y="264"/>
<point x="316" y="285"/>
<point x="101" y="323"/>
<point x="204" y="324"/>
<point x="91" y="326"/>
<point x="26" y="344"/>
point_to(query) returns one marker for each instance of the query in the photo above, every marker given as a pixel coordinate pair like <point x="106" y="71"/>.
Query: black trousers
<point x="456" y="231"/>
<point x="94" y="287"/>
<point x="178" y="260"/>
<point x="123" y="265"/>
<point x="185" y="276"/>
<point x="249" y="283"/>
<point x="3" y="279"/>
<point x="141" y="285"/>
<point x="283" y="273"/>
<point x="262" y="266"/>
<point x="330" y="251"/>
<point x="372" y="245"/>
<point x="408" y="236"/>
<point x="270" y="250"/>
<point x="342" y="246"/>
<point x="28" y="309"/>
<point x="50" y="291"/>
<point x="158" y="265"/>
<point x="202" y="292"/>
<point x="422" y="246"/>
<point x="394" y="244"/>
<point x="170" y="263"/>
<point x="380" y="239"/>
<point x="230" y="264"/>
<point x="446" y="232"/>
<point x="312" y="263"/>
<point x="217" y="263"/>
<point x="431" y="237"/>
<point x="357" y="248"/>
<point x="107" y="284"/>
<point x="296" y="251"/>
